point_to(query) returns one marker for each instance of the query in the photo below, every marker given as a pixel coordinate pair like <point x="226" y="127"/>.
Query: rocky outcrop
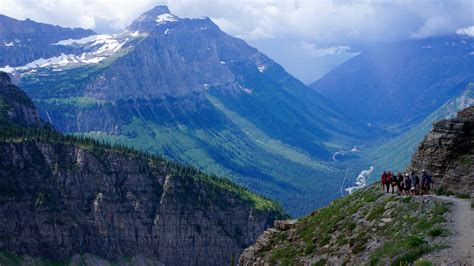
<point x="447" y="153"/>
<point x="15" y="106"/>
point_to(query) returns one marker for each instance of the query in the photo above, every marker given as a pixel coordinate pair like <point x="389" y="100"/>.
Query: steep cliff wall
<point x="58" y="200"/>
<point x="447" y="153"/>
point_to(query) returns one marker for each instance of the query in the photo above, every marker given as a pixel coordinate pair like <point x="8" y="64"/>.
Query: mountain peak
<point x="157" y="10"/>
<point x="5" y="78"/>
<point x="155" y="16"/>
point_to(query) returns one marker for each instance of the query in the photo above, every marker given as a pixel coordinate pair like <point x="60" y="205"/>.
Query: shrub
<point x="435" y="232"/>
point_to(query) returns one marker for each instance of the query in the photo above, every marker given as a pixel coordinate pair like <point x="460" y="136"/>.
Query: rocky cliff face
<point x="61" y="200"/>
<point x="178" y="57"/>
<point x="61" y="196"/>
<point x="15" y="106"/>
<point x="447" y="153"/>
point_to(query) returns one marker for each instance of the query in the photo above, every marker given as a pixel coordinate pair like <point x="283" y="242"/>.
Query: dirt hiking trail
<point x="461" y="240"/>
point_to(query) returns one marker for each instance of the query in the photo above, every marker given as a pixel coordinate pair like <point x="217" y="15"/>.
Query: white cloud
<point x="433" y="26"/>
<point x="337" y="21"/>
<point x="78" y="13"/>
<point x="327" y="27"/>
<point x="314" y="51"/>
<point x="468" y="31"/>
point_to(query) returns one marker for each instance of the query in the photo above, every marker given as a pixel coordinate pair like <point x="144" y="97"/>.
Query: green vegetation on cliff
<point x="367" y="227"/>
<point x="17" y="134"/>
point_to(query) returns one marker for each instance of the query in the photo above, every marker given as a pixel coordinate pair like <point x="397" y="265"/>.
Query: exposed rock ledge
<point x="447" y="153"/>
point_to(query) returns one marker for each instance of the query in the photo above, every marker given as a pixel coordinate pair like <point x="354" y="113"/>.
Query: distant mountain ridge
<point x="22" y="42"/>
<point x="399" y="90"/>
<point x="400" y="83"/>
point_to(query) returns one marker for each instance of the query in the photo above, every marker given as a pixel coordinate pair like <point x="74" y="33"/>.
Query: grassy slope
<point x="365" y="227"/>
<point x="263" y="164"/>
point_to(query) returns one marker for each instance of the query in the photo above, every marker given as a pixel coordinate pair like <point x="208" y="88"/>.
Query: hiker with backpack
<point x="400" y="184"/>
<point x="394" y="183"/>
<point x="415" y="183"/>
<point x="407" y="184"/>
<point x="426" y="181"/>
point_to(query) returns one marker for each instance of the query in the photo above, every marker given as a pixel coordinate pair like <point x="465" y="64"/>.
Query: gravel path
<point x="461" y="222"/>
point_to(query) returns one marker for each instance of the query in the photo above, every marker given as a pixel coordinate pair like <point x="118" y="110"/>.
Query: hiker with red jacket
<point x="383" y="179"/>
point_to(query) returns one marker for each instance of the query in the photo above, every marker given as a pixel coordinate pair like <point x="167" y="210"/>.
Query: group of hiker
<point x="406" y="184"/>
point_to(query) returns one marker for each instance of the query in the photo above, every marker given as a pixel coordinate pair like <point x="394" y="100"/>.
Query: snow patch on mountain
<point x="95" y="49"/>
<point x="110" y="47"/>
<point x="15" y="42"/>
<point x="102" y="44"/>
<point x="56" y="62"/>
<point x="163" y="18"/>
<point x="96" y="39"/>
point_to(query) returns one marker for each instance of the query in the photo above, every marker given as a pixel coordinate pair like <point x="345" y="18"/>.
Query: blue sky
<point x="308" y="37"/>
